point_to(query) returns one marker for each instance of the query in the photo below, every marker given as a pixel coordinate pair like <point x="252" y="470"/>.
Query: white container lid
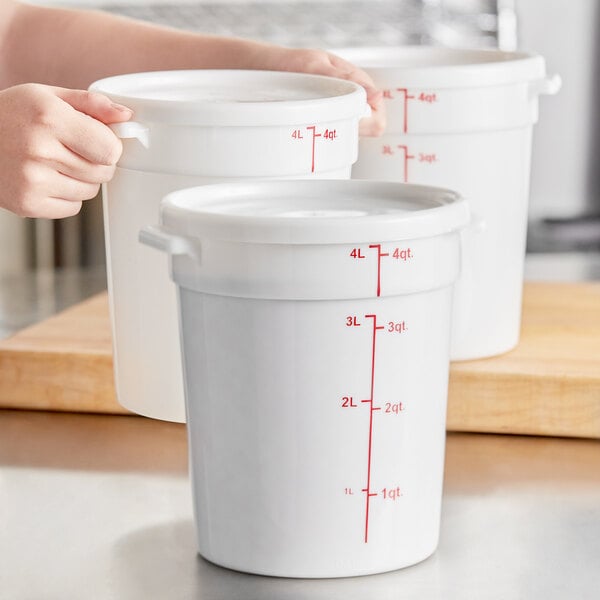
<point x="313" y="212"/>
<point x="234" y="98"/>
<point x="425" y="66"/>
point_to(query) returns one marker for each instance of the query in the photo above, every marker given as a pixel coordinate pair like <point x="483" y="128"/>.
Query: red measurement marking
<point x="315" y="135"/>
<point x="407" y="157"/>
<point x="348" y="402"/>
<point x="372" y="409"/>
<point x="379" y="255"/>
<point x="407" y="97"/>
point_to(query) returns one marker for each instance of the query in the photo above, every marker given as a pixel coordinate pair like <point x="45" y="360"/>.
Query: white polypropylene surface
<point x="269" y="151"/>
<point x="300" y="240"/>
<point x="192" y="128"/>
<point x="492" y="171"/>
<point x="332" y="213"/>
<point x="316" y="370"/>
<point x="278" y="465"/>
<point x="231" y="98"/>
<point x="422" y="66"/>
<point x="143" y="303"/>
<point x="463" y="119"/>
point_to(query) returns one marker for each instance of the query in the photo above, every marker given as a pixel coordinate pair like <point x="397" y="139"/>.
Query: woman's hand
<point x="319" y="62"/>
<point x="55" y="148"/>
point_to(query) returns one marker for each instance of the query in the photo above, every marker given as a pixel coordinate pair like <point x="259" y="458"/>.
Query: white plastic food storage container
<point x="191" y="128"/>
<point x="463" y="119"/>
<point x="315" y="323"/>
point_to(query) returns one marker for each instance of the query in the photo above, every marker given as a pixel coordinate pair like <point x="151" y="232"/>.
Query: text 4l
<point x="328" y="134"/>
<point x="404" y="254"/>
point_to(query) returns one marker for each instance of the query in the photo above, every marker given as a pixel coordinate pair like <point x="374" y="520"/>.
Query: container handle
<point x="162" y="239"/>
<point x="132" y="129"/>
<point x="548" y="86"/>
<point x="477" y="224"/>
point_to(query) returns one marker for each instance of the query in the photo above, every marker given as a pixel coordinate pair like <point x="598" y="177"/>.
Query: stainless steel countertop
<point x="27" y="298"/>
<point x="99" y="507"/>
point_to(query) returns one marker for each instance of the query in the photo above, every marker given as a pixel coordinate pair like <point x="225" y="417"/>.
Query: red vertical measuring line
<point x="367" y="488"/>
<point x="379" y="255"/>
<point x="407" y="97"/>
<point x="315" y="135"/>
<point x="407" y="157"/>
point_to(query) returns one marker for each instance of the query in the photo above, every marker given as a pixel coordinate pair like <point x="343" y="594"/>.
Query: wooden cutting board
<point x="549" y="385"/>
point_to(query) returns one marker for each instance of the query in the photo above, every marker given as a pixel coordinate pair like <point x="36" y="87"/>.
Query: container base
<point x="324" y="574"/>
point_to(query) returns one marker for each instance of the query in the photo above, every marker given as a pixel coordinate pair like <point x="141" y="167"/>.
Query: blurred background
<point x="565" y="185"/>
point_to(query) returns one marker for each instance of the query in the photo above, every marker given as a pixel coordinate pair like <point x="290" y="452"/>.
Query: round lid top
<point x="313" y="212"/>
<point x="234" y="98"/>
<point x="425" y="66"/>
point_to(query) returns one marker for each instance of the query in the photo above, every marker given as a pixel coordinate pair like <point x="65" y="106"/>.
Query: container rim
<point x="319" y="212"/>
<point x="226" y="97"/>
<point x="432" y="66"/>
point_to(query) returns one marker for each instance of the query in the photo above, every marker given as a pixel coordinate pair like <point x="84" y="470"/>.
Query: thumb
<point x="95" y="105"/>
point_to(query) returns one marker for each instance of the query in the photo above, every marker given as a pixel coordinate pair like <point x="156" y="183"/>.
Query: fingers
<point x="375" y="124"/>
<point x="83" y="126"/>
<point x="48" y="207"/>
<point x="90" y="139"/>
<point x="52" y="195"/>
<point x="320" y="62"/>
<point x="334" y="66"/>
<point x="372" y="126"/>
<point x="54" y="156"/>
<point x="353" y="73"/>
<point x="95" y="105"/>
<point x="71" y="190"/>
<point x="44" y="207"/>
<point x="55" y="208"/>
<point x="72" y="165"/>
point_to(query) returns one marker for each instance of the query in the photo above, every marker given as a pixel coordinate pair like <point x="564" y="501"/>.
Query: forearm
<point x="72" y="48"/>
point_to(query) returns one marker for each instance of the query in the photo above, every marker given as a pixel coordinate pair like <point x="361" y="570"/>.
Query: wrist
<point x="261" y="56"/>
